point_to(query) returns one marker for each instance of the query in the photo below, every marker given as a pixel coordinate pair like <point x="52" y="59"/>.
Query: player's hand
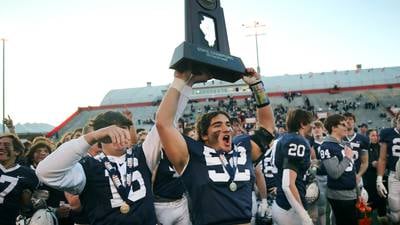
<point x="198" y="78"/>
<point x="112" y="134"/>
<point x="63" y="211"/>
<point x="263" y="208"/>
<point x="381" y="189"/>
<point x="358" y="181"/>
<point x="8" y="122"/>
<point x="348" y="152"/>
<point x="251" y="76"/>
<point x="306" y="220"/>
<point x="185" y="75"/>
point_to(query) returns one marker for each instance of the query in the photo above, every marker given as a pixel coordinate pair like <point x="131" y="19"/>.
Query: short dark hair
<point x="371" y="130"/>
<point x="235" y="120"/>
<point x="297" y="117"/>
<point x="349" y="114"/>
<point x="187" y="130"/>
<point x="203" y="123"/>
<point x="110" y="118"/>
<point x="333" y="121"/>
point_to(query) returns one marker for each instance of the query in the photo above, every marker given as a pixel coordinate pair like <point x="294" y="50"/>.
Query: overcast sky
<point x="62" y="54"/>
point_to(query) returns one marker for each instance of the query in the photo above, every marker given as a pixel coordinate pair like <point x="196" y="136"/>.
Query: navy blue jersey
<point x="321" y="171"/>
<point x="292" y="152"/>
<point x="12" y="182"/>
<point x="268" y="169"/>
<point x="391" y="137"/>
<point x="167" y="183"/>
<point x="101" y="200"/>
<point x="360" y="145"/>
<point x="347" y="181"/>
<point x="208" y="183"/>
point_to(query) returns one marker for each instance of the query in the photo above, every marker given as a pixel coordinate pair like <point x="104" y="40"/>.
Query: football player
<point x="115" y="186"/>
<point x="171" y="203"/>
<point x="321" y="175"/>
<point x="389" y="154"/>
<point x="360" y="146"/>
<point x="292" y="159"/>
<point x="374" y="200"/>
<point x="338" y="161"/>
<point x="16" y="182"/>
<point x="217" y="171"/>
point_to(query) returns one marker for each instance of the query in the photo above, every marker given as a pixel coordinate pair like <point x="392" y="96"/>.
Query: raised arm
<point x="173" y="142"/>
<point x="62" y="170"/>
<point x="152" y="144"/>
<point x="265" y="117"/>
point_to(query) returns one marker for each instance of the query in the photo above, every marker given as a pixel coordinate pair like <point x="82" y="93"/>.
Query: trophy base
<point x="206" y="60"/>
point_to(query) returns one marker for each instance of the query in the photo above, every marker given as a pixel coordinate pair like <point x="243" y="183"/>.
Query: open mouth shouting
<point x="225" y="142"/>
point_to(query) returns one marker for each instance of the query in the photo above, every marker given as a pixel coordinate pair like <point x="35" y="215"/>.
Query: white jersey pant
<point x="394" y="197"/>
<point x="284" y="217"/>
<point x="173" y="213"/>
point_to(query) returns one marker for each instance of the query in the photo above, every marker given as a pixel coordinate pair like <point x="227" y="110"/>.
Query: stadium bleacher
<point x="371" y="86"/>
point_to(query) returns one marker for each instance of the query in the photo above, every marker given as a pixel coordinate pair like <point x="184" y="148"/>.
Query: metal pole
<point x="258" y="63"/>
<point x="4" y="78"/>
<point x="255" y="26"/>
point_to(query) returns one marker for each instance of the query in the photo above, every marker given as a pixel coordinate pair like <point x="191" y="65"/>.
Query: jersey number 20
<point x="296" y="150"/>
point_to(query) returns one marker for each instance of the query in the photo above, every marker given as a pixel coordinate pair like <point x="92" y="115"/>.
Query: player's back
<point x="293" y="152"/>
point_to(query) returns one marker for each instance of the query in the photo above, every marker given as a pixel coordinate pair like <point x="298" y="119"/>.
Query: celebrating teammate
<point x="217" y="171"/>
<point x="115" y="186"/>
<point x="16" y="182"/>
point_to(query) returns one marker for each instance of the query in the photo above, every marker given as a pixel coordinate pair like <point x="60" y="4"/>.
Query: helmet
<point x="43" y="217"/>
<point x="312" y="192"/>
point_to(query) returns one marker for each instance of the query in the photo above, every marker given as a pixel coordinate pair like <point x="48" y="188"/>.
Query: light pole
<point x="4" y="79"/>
<point x="255" y="26"/>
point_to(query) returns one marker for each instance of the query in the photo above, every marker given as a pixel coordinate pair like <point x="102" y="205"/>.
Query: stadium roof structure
<point x="324" y="82"/>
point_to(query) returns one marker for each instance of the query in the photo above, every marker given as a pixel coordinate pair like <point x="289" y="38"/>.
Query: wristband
<point x="178" y="84"/>
<point x="379" y="180"/>
<point x="259" y="94"/>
